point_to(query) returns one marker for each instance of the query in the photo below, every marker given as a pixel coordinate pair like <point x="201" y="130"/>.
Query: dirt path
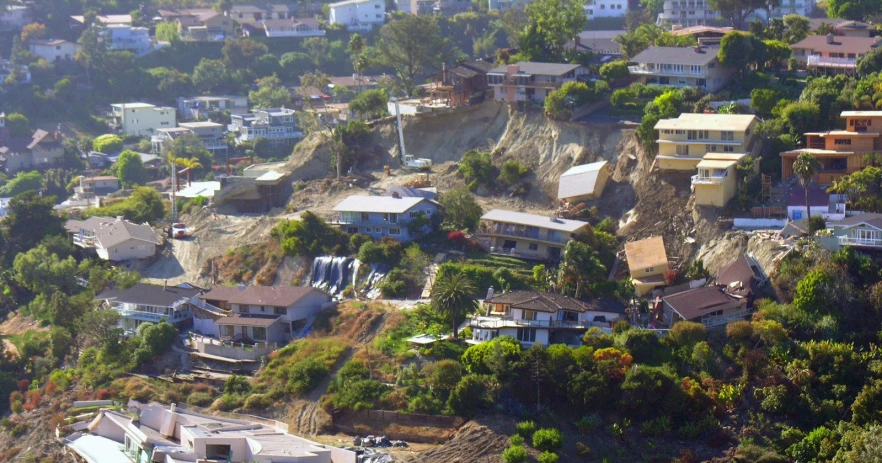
<point x="10" y="348"/>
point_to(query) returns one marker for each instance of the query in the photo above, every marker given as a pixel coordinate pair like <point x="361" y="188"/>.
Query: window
<point x="842" y="141"/>
<point x="534" y="247"/>
<point x="495" y="79"/>
<point x="710" y="148"/>
<point x="527" y="334"/>
<point x="728" y="149"/>
<point x="215" y="451"/>
<point x="529" y="315"/>
<point x="243" y="308"/>
<point x="280" y="310"/>
<point x="352" y="230"/>
<point x="727" y="135"/>
<point x="414" y="214"/>
<point x="226" y="331"/>
<point x="649" y="270"/>
<point x="509" y="244"/>
<point x="682" y="150"/>
<point x="258" y="333"/>
<point x="263" y="308"/>
<point x="395" y="231"/>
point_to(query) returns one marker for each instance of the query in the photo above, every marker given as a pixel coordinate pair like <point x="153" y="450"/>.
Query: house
<point x="107" y="20"/>
<point x="536" y="317"/>
<point x="200" y="107"/>
<point x="841" y="27"/>
<point x="382" y="216"/>
<point x="262" y="313"/>
<point x="647" y="263"/>
<point x="54" y="50"/>
<point x="528" y="81"/>
<point x="504" y="5"/>
<point x="596" y="42"/>
<point x="461" y="85"/>
<point x="153" y="432"/>
<point x="403" y="191"/>
<point x="832" y="54"/>
<point x="584" y="182"/>
<point x="41" y="150"/>
<point x="830" y="206"/>
<point x="251" y="14"/>
<point x="742" y="277"/>
<point x="113" y="239"/>
<point x="606" y="8"/>
<point x="717" y="179"/>
<point x="683" y="13"/>
<point x="840" y="152"/>
<point x="211" y="133"/>
<point x="685" y="140"/>
<point x="279" y="125"/>
<point x="15" y="17"/>
<point x="709" y="305"/>
<point x="91" y="187"/>
<point x="353" y="84"/>
<point x="195" y="189"/>
<point x="139" y="119"/>
<point x="528" y="236"/>
<point x="358" y="15"/>
<point x="162" y="139"/>
<point x="696" y="66"/>
<point x="442" y="7"/>
<point x="200" y="24"/>
<point x="704" y="34"/>
<point x="291" y="27"/>
<point x="137" y="40"/>
<point x="863" y="231"/>
<point x="150" y="303"/>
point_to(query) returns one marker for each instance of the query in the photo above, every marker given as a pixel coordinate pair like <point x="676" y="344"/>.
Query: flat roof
<point x="645" y="253"/>
<point x="534" y="220"/>
<point x="545" y="69"/>
<point x="715" y="164"/>
<point x="845" y="133"/>
<point x="134" y="105"/>
<point x="725" y="156"/>
<point x="580" y="180"/>
<point x="861" y="113"/>
<point x="700" y="121"/>
<point x="378" y="204"/>
<point x="97" y="449"/>
<point x="189" y="125"/>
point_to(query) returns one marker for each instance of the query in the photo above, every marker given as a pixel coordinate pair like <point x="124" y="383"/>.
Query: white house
<point x="154" y="432"/>
<point x="201" y="106"/>
<point x="863" y="231"/>
<point x="583" y="182"/>
<point x="291" y="27"/>
<point x="54" y="50"/>
<point x="358" y="15"/>
<point x="606" y="8"/>
<point x="381" y="216"/>
<point x="150" y="303"/>
<point x="140" y="119"/>
<point x="696" y="66"/>
<point x="541" y="317"/>
<point x="830" y="206"/>
<point x="134" y="39"/>
<point x="114" y="239"/>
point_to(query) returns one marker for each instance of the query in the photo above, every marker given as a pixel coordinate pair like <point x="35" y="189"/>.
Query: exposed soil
<point x="481" y="440"/>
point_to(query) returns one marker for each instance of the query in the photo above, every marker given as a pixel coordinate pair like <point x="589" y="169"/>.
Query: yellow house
<point x="647" y="262"/>
<point x="139" y="119"/>
<point x="717" y="178"/>
<point x="683" y="142"/>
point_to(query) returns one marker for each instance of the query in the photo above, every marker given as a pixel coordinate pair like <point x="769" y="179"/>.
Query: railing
<point x="507" y="322"/>
<point x="379" y="223"/>
<point x="84" y="241"/>
<point x="141" y="315"/>
<point x="815" y="60"/>
<point x="852" y="241"/>
<point x="707" y="180"/>
<point x="716" y="320"/>
<point x="521" y="234"/>
<point x="250" y="135"/>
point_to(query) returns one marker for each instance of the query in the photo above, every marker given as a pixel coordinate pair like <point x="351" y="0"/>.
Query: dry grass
<point x="258" y="262"/>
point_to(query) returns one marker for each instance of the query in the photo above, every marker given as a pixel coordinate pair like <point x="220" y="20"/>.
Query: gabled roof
<point x="818" y="43"/>
<point x="146" y="294"/>
<point x="645" y="253"/>
<point x="580" y="180"/>
<point x="38" y="137"/>
<point x="246" y="9"/>
<point x="542" y="69"/>
<point x="677" y="55"/>
<point x="739" y="277"/>
<point x="539" y="301"/>
<point x="50" y="42"/>
<point x="281" y="296"/>
<point x="696" y="302"/>
<point x="872" y="219"/>
<point x="534" y="220"/>
<point x="377" y="204"/>
<point x="110" y="231"/>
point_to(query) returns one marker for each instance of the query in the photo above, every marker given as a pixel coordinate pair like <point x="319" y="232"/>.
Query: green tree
<point x="130" y="169"/>
<point x="93" y="49"/>
<point x="801" y="116"/>
<point x="461" y="211"/>
<point x="470" y="396"/>
<point x="410" y="46"/>
<point x="737" y="11"/>
<point x="370" y="104"/>
<point x="211" y="75"/>
<point x="736" y="50"/>
<point x="814" y="293"/>
<point x="777" y="53"/>
<point x="295" y="64"/>
<point x="242" y="53"/>
<point x="108" y="144"/>
<point x="270" y="93"/>
<point x="189" y="146"/>
<point x="356" y="48"/>
<point x="762" y="100"/>
<point x="614" y="70"/>
<point x="310" y="236"/>
<point x="100" y="326"/>
<point x="30" y="219"/>
<point x="267" y="65"/>
<point x="42" y="272"/>
<point x="870" y="63"/>
<point x="560" y="103"/>
<point x="454" y="296"/>
<point x="24" y="181"/>
<point x="579" y="268"/>
<point x="61" y="342"/>
<point x="804" y="167"/>
<point x="33" y="31"/>
<point x="550" y="25"/>
<point x="856" y="10"/>
<point x="19" y="126"/>
<point x="167" y="32"/>
<point x="443" y="375"/>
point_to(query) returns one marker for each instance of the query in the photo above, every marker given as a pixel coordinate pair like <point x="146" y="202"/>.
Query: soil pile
<point x="481" y="440"/>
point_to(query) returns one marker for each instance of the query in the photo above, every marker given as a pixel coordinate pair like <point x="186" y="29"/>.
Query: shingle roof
<point x="700" y="301"/>
<point x="189" y="21"/>
<point x="818" y="43"/>
<point x="281" y="296"/>
<point x="146" y="294"/>
<point x="738" y="276"/>
<point x="539" y="301"/>
<point x="534" y="220"/>
<point x="270" y="23"/>
<point x="649" y="252"/>
<point x="873" y="219"/>
<point x="545" y="69"/>
<point x="677" y="55"/>
<point x="580" y="180"/>
<point x="377" y="204"/>
<point x="110" y="231"/>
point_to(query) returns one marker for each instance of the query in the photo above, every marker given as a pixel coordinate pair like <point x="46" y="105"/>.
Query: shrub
<point x="516" y="440"/>
<point x="199" y="399"/>
<point x="514" y="455"/>
<point x="108" y="144"/>
<point x="526" y="429"/>
<point x="476" y="166"/>
<point x="305" y="376"/>
<point x="548" y="457"/>
<point x="583" y="450"/>
<point x="258" y="401"/>
<point x="511" y="172"/>
<point x="548" y="439"/>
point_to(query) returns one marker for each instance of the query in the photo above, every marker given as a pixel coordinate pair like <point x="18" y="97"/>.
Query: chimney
<point x="165" y="285"/>
<point x="830" y="38"/>
<point x="554" y="217"/>
<point x="489" y="293"/>
<point x="512" y="69"/>
<point x="698" y="48"/>
<point x="396" y="195"/>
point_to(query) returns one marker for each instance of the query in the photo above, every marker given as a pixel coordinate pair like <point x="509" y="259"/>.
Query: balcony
<point x="718" y="320"/>
<point x="508" y="322"/>
<point x="699" y="180"/>
<point x="142" y="315"/>
<point x="499" y="230"/>
<point x="272" y="136"/>
<point x="84" y="241"/>
<point x="852" y="241"/>
<point x="825" y="62"/>
<point x="646" y="70"/>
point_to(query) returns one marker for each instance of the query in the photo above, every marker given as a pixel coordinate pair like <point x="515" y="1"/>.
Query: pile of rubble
<point x="365" y="448"/>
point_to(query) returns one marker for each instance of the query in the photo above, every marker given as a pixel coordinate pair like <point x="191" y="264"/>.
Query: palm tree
<point x="805" y="168"/>
<point x="453" y="295"/>
<point x="356" y="50"/>
<point x="188" y="165"/>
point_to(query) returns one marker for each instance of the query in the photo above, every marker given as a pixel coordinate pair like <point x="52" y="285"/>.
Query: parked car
<point x="179" y="230"/>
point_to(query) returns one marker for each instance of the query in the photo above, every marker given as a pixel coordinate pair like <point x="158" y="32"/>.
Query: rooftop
<point x="739" y="276"/>
<point x="377" y="204"/>
<point x="700" y="121"/>
<point x="539" y="301"/>
<point x="146" y="294"/>
<point x="646" y="253"/>
<point x="701" y="29"/>
<point x="545" y="69"/>
<point x="280" y="296"/>
<point x="580" y="180"/>
<point x="112" y="231"/>
<point x="819" y="44"/>
<point x="347" y="2"/>
<point x="696" y="302"/>
<point x="677" y="55"/>
<point x="715" y="164"/>
<point x="200" y="124"/>
<point x="818" y="197"/>
<point x="861" y="113"/>
<point x="872" y="219"/>
<point x="50" y="42"/>
<point x="534" y="220"/>
<point x="133" y="105"/>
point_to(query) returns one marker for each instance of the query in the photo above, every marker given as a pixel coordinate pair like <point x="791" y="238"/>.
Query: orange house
<point x="840" y="152"/>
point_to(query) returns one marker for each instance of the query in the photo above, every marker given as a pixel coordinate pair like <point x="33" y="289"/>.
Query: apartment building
<point x="140" y="119"/>
<point x="358" y="15"/>
<point x="647" y="263"/>
<point x="688" y="13"/>
<point x="683" y="142"/>
<point x="840" y="152"/>
<point x="200" y="107"/>
<point x="382" y="216"/>
<point x="606" y="8"/>
<point x="278" y="125"/>
<point x="531" y="82"/>
<point x="528" y="236"/>
<point x="832" y="54"/>
<point x="696" y="66"/>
